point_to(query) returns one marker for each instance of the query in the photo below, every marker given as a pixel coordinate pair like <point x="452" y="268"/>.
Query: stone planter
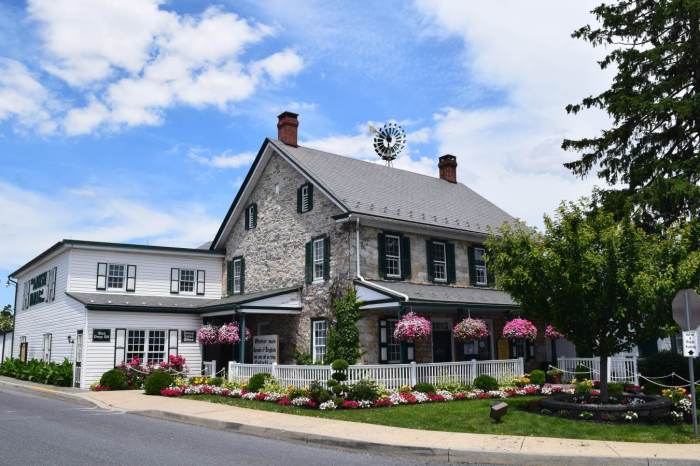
<point x="651" y="407"/>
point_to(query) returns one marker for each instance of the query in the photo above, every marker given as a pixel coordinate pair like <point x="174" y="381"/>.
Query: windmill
<point x="389" y="140"/>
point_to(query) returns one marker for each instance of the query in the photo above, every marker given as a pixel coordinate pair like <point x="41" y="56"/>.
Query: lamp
<point x="498" y="410"/>
<point x="70" y="340"/>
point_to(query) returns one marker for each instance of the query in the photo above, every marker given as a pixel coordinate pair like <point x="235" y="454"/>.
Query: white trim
<point x="313" y="339"/>
<point x="315" y="261"/>
<point x="479" y="267"/>
<point x="238" y="261"/>
<point x="115" y="264"/>
<point x="194" y="281"/>
<point x="393" y="256"/>
<point x="443" y="261"/>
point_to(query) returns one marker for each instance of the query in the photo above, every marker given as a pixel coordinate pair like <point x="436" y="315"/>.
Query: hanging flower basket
<point x="412" y="327"/>
<point x="520" y="328"/>
<point x="208" y="335"/>
<point x="470" y="329"/>
<point x="229" y="334"/>
<point x="552" y="333"/>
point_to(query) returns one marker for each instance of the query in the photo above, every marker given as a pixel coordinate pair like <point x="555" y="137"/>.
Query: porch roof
<point x="131" y="302"/>
<point x="377" y="294"/>
<point x="276" y="301"/>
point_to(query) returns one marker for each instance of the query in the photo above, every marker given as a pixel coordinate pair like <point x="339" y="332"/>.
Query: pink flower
<point x="409" y="398"/>
<point x="470" y="329"/>
<point x="311" y="404"/>
<point x="382" y="403"/>
<point x="284" y="401"/>
<point x="349" y="404"/>
<point x="173" y="391"/>
<point x="520" y="328"/>
<point x="207" y="335"/>
<point x="412" y="327"/>
<point x="552" y="333"/>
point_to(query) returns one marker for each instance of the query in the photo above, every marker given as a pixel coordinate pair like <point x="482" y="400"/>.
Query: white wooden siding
<point x="99" y="356"/>
<point x="152" y="270"/>
<point x="61" y="317"/>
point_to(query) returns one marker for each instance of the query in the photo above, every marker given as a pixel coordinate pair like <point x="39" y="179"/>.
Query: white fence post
<point x="610" y="368"/>
<point x="414" y="376"/>
<point x="635" y="371"/>
<point x="521" y="364"/>
<point x="273" y="371"/>
<point x="473" y="375"/>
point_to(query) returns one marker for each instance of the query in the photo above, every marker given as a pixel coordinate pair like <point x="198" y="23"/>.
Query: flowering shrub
<point x="552" y="333"/>
<point x="470" y="329"/>
<point x="412" y="327"/>
<point x="208" y="335"/>
<point x="228" y="334"/>
<point x="174" y="363"/>
<point x="327" y="405"/>
<point x="520" y="328"/>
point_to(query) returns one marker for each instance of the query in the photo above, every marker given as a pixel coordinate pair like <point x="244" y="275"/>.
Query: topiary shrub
<point x="424" y="387"/>
<point x="319" y="393"/>
<point x="537" y="377"/>
<point x="156" y="382"/>
<point x="364" y="390"/>
<point x="257" y="381"/>
<point x="114" y="379"/>
<point x="582" y="373"/>
<point x="486" y="383"/>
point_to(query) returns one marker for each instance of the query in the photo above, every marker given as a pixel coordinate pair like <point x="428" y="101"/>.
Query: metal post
<point x="691" y="371"/>
<point x="241" y="332"/>
<point x="413" y="374"/>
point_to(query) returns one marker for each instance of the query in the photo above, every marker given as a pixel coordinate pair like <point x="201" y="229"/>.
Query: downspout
<point x="14" y="317"/>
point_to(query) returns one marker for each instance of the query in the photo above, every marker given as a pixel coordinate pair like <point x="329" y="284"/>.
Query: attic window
<point x="305" y="198"/>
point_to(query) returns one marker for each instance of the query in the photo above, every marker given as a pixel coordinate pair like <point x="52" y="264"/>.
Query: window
<point x="305" y="198"/>
<point x="115" y="276"/>
<point x="319" y="255"/>
<point x="439" y="262"/>
<point x="187" y="280"/>
<point x="319" y="339"/>
<point x="47" y="347"/>
<point x="392" y="254"/>
<point x="393" y="345"/>
<point x="147" y="345"/>
<point x="237" y="275"/>
<point x="201" y="276"/>
<point x="480" y="266"/>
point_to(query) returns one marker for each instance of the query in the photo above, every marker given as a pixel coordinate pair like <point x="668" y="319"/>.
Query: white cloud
<point x="23" y="97"/>
<point x="224" y="160"/>
<point x="510" y="152"/>
<point x="31" y="222"/>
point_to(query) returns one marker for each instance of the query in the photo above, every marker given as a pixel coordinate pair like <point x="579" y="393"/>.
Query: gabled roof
<point x="371" y="189"/>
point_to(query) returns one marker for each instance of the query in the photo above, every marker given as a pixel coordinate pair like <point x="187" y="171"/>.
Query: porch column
<point x="403" y="345"/>
<point x="241" y="332"/>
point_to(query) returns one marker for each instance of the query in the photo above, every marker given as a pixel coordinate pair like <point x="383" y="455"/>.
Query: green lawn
<point x="473" y="416"/>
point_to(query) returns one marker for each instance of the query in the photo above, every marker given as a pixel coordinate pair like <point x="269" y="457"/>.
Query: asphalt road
<point x="35" y="430"/>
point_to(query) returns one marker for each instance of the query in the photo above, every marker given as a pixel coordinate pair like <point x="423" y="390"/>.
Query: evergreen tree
<point x="343" y="335"/>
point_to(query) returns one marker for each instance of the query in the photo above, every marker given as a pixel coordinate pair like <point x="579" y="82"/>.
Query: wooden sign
<point x="101" y="334"/>
<point x="266" y="349"/>
<point x="188" y="336"/>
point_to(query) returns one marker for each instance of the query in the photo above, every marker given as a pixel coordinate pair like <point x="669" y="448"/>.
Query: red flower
<point x="349" y="404"/>
<point x="171" y="392"/>
<point x="260" y="396"/>
<point x="311" y="404"/>
<point x="435" y="397"/>
<point x="459" y="396"/>
<point x="284" y="401"/>
<point x="409" y="398"/>
<point x="382" y="403"/>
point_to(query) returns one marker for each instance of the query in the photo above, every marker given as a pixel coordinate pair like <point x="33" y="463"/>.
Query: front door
<point x="442" y="341"/>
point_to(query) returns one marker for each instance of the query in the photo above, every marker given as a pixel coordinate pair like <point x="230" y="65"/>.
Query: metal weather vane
<point x="389" y="140"/>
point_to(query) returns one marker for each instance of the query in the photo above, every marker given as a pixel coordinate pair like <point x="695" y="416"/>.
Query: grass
<point x="473" y="416"/>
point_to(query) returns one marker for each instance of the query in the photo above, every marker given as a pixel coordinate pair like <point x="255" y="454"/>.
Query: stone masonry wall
<point x="274" y="251"/>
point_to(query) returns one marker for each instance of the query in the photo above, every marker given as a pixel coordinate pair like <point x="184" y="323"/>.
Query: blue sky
<point x="136" y="120"/>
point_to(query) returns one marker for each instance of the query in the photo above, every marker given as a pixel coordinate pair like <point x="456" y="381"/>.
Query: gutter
<point x="14" y="317"/>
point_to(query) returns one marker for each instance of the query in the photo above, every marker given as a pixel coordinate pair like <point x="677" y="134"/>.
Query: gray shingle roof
<point x="374" y="189"/>
<point x="126" y="300"/>
<point x="449" y="294"/>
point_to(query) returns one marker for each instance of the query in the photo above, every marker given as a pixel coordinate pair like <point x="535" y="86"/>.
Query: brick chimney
<point x="287" y="124"/>
<point x="448" y="168"/>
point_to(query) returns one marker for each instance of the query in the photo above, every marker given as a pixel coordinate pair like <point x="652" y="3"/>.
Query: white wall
<point x="61" y="317"/>
<point x="5" y="346"/>
<point x="152" y="270"/>
<point x="99" y="356"/>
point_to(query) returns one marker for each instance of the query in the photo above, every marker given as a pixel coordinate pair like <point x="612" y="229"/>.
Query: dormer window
<point x="187" y="281"/>
<point x="305" y="198"/>
<point x="251" y="216"/>
<point x="116" y="277"/>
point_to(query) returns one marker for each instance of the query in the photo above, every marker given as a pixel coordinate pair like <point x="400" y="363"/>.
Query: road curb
<point x="48" y="393"/>
<point x="462" y="456"/>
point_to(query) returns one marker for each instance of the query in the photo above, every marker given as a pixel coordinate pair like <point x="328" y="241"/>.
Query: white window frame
<point x="396" y="257"/>
<point x="481" y="277"/>
<point x="437" y="264"/>
<point x="393" y="346"/>
<point x="305" y="199"/>
<point x="149" y="336"/>
<point x="237" y="276"/>
<point x="48" y="339"/>
<point x="108" y="275"/>
<point x="318" y="255"/>
<point x="194" y="281"/>
<point x="318" y="350"/>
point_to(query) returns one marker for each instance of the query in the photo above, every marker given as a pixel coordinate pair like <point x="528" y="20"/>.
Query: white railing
<point x="392" y="376"/>
<point x="619" y="369"/>
<point x="208" y="368"/>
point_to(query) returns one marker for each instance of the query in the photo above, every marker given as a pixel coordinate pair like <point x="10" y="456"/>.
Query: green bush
<point x="663" y="363"/>
<point x="537" y="377"/>
<point x="340" y="365"/>
<point x="156" y="382"/>
<point x="486" y="383"/>
<point x="424" y="387"/>
<point x="584" y="387"/>
<point x="319" y="393"/>
<point x="257" y="381"/>
<point x="582" y="373"/>
<point x="615" y="389"/>
<point x="364" y="390"/>
<point x="114" y="379"/>
<point x="36" y="370"/>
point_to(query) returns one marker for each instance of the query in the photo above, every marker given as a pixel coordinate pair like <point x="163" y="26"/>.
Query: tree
<point x="343" y="335"/>
<point x="606" y="284"/>
<point x="650" y="157"/>
<point x="6" y="320"/>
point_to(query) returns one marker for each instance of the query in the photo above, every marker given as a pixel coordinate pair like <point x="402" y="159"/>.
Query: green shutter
<point x="242" y="275"/>
<point x="472" y="265"/>
<point x="429" y="259"/>
<point x="255" y="216"/>
<point x="309" y="262"/>
<point x="383" y="341"/>
<point x="299" y="199"/>
<point x="311" y="197"/>
<point x="229" y="278"/>
<point x="405" y="257"/>
<point x="326" y="258"/>
<point x="247" y="218"/>
<point x="450" y="253"/>
<point x="381" y="255"/>
<point x="490" y="276"/>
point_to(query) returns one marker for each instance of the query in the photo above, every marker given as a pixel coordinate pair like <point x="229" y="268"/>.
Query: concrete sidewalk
<point x="421" y="444"/>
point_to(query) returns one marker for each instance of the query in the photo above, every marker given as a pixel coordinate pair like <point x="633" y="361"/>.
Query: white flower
<point x="362" y="403"/>
<point x="421" y="397"/>
<point x="326" y="405"/>
<point x="300" y="401"/>
<point x="684" y="404"/>
<point x="445" y="394"/>
<point x="249" y="396"/>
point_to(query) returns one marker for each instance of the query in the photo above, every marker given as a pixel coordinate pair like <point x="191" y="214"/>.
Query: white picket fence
<point x="392" y="376"/>
<point x="619" y="369"/>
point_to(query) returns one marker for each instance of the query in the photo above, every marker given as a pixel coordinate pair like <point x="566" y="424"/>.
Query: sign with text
<point x="101" y="334"/>
<point x="265" y="349"/>
<point x="188" y="336"/>
<point x="690" y="344"/>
